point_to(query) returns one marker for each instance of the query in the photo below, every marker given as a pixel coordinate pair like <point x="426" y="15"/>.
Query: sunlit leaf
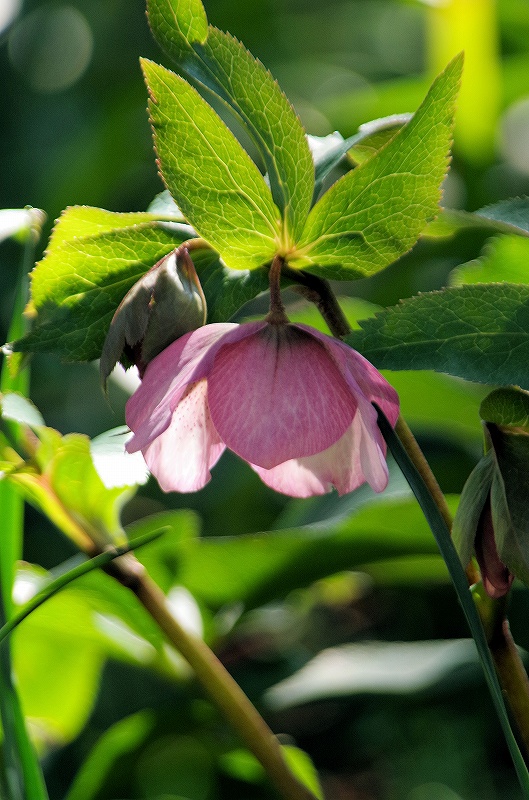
<point x="177" y="24"/>
<point x="90" y="265"/>
<point x="376" y="212"/>
<point x="301" y="765"/>
<point x="505" y="258"/>
<point x="213" y="180"/>
<point x="223" y="66"/>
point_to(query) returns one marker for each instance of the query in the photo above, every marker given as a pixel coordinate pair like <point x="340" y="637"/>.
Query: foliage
<point x="287" y="592"/>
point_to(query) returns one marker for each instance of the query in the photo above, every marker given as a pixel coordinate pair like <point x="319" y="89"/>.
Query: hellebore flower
<point x="291" y="401"/>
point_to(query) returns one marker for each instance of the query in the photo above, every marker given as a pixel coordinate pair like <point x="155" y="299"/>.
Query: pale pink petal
<point x="181" y="457"/>
<point x="277" y="395"/>
<point x="354" y="459"/>
<point x="188" y="359"/>
<point x="360" y="374"/>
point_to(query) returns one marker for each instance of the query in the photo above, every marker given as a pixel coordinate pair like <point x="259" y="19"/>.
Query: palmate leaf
<point x="478" y="332"/>
<point x="212" y="178"/>
<point x="220" y="65"/>
<point x="375" y="213"/>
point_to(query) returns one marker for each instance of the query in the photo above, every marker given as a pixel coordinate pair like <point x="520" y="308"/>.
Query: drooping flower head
<point x="291" y="401"/>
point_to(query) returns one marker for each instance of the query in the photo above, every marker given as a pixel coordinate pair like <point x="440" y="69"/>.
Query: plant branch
<point x="215" y="679"/>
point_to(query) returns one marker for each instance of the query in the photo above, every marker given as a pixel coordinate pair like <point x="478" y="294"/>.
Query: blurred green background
<point x="74" y="130"/>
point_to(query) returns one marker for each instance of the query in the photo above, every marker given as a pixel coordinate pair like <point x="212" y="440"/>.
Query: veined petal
<point x="181" y="457"/>
<point x="354" y="459"/>
<point x="360" y="374"/>
<point x="277" y="395"/>
<point x="188" y="359"/>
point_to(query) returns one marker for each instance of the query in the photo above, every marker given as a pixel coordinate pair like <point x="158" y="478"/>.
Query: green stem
<point x="215" y="679"/>
<point x="503" y="650"/>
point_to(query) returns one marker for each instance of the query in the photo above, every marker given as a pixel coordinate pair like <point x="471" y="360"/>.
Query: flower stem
<point x="215" y="679"/>
<point x="318" y="291"/>
<point x="277" y="314"/>
<point x="509" y="666"/>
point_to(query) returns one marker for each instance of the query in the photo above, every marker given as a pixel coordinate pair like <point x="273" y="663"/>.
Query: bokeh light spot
<point x="515" y="135"/>
<point x="51" y="47"/>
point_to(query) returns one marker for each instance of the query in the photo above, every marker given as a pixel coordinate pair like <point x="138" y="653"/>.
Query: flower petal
<point x="277" y="395"/>
<point x="181" y="457"/>
<point x="166" y="378"/>
<point x="360" y="374"/>
<point x="354" y="459"/>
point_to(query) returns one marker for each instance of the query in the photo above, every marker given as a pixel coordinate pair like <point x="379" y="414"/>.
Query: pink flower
<point x="291" y="401"/>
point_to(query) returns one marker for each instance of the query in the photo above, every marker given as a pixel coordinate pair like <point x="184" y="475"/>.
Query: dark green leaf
<point x="508" y="216"/>
<point x="506" y="406"/>
<point x="213" y="180"/>
<point x="376" y="212"/>
<point x="509" y="500"/>
<point x="480" y="333"/>
<point x="259" y="568"/>
<point x="473" y="499"/>
<point x="225" y="289"/>
<point x="120" y="740"/>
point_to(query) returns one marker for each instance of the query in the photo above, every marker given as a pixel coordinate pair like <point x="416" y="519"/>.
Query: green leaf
<point x="213" y="180"/>
<point x="17" y="408"/>
<point x="118" y="741"/>
<point x="176" y="24"/>
<point x="58" y="669"/>
<point x="375" y="213"/>
<point x="95" y="256"/>
<point x="89" y="267"/>
<point x="505" y="258"/>
<point x="250" y="91"/>
<point x="301" y="765"/>
<point x="225" y="289"/>
<point x="480" y="333"/>
<point x="85" y="221"/>
<point x="508" y="216"/>
<point x="328" y="151"/>
<point x="506" y="406"/>
<point x="509" y="500"/>
<point x="221" y="65"/>
<point x="70" y="492"/>
<point x="278" y="562"/>
<point x="471" y="505"/>
<point x="372" y="667"/>
<point x="372" y="136"/>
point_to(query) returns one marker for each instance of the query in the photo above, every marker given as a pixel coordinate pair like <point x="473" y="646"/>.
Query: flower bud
<point x="163" y="305"/>
<point x="492" y="516"/>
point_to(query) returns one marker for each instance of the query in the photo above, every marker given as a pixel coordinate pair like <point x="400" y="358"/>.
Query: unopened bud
<point x="163" y="305"/>
<point x="492" y="518"/>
